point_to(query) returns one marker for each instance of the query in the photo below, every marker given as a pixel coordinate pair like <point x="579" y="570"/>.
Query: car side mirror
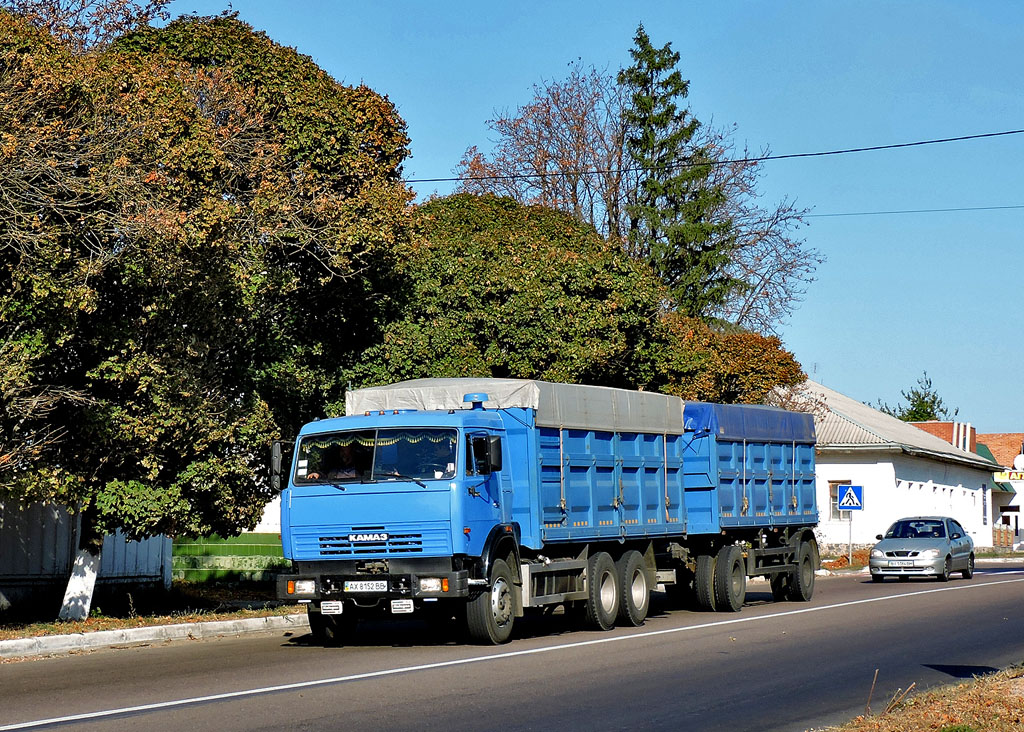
<point x="955" y="535"/>
<point x="878" y="536"/>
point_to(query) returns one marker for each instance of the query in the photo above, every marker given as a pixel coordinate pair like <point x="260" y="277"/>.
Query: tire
<point x="801" y="586"/>
<point x="332" y="631"/>
<point x="730" y="579"/>
<point x="704" y="582"/>
<point x="968" y="571"/>
<point x="780" y="586"/>
<point x="602" y="592"/>
<point x="491" y="614"/>
<point x="947" y="568"/>
<point x="634" y="589"/>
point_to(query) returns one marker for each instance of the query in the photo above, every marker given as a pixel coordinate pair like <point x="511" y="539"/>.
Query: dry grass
<point x="117" y="609"/>
<point x="992" y="703"/>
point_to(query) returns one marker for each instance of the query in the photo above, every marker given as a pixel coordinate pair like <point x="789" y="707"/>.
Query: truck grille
<point x="332" y="542"/>
<point x="395" y="544"/>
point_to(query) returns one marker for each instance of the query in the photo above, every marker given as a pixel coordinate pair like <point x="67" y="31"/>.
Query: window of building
<point x="833" y="499"/>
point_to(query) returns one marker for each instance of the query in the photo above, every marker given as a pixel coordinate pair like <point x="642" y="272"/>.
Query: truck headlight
<point x="430" y="584"/>
<point x="302" y="587"/>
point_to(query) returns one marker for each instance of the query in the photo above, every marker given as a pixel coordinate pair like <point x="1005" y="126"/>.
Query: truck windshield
<point x="374" y="455"/>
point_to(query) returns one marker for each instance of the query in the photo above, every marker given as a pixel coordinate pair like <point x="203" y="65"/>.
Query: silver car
<point x="923" y="546"/>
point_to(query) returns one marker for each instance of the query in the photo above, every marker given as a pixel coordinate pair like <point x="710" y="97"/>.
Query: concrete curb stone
<point x="46" y="645"/>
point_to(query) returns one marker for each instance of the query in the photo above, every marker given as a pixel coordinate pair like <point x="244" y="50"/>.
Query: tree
<point x="511" y="291"/>
<point x="566" y="149"/>
<point x="923" y="404"/>
<point x="177" y="238"/>
<point x="669" y="212"/>
<point x="504" y="290"/>
<point x="81" y="25"/>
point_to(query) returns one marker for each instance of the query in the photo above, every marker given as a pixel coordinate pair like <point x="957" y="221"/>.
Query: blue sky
<point x="900" y="294"/>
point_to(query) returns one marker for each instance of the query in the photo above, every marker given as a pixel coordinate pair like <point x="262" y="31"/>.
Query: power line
<point x="913" y="211"/>
<point x="688" y="164"/>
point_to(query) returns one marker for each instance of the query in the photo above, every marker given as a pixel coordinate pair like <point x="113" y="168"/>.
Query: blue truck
<point x="483" y="498"/>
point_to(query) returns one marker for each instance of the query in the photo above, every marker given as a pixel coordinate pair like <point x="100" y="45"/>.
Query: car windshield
<point x="917" y="529"/>
<point x="374" y="455"/>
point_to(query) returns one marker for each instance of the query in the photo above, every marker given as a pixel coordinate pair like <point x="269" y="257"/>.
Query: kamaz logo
<point x="367" y="537"/>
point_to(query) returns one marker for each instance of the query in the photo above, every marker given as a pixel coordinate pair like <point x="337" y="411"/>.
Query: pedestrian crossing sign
<point x="851" y="498"/>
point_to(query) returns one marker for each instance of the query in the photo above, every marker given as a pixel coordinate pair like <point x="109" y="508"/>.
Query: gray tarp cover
<point x="602" y="408"/>
<point x="557" y="405"/>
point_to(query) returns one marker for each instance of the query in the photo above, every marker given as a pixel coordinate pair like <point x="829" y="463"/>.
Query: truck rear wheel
<point x="602" y="592"/>
<point x="634" y="590"/>
<point x="491" y="614"/>
<point x="730" y="579"/>
<point x="801" y="585"/>
<point x="331" y="630"/>
<point x="704" y="582"/>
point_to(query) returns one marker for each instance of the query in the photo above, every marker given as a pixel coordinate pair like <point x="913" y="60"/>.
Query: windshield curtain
<point x="373" y="455"/>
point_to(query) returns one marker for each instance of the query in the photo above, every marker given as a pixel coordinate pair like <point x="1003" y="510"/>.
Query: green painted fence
<point x="249" y="558"/>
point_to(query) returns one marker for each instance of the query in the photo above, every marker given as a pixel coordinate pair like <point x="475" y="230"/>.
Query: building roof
<point x="846" y="424"/>
<point x="1004" y="445"/>
<point x="996" y="486"/>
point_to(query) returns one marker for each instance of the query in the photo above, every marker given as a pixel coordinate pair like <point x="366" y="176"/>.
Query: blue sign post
<point x="851" y="498"/>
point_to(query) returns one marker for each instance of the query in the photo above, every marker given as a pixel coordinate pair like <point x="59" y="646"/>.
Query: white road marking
<point x="476" y="659"/>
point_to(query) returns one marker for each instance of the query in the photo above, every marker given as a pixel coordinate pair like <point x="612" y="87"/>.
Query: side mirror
<point x="275" y="466"/>
<point x="878" y="536"/>
<point x="494" y="453"/>
<point x="956" y="535"/>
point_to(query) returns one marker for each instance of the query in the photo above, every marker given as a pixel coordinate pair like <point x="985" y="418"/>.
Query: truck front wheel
<point x="331" y="630"/>
<point x="491" y="614"/>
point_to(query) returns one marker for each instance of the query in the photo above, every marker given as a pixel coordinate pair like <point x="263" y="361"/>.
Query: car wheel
<point x="968" y="571"/>
<point x="947" y="567"/>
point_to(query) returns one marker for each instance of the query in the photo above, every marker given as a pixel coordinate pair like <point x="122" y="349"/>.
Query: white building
<point x="904" y="471"/>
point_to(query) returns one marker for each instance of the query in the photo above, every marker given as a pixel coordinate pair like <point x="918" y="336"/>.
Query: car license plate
<point x="330" y="607"/>
<point x="401" y="606"/>
<point x="901" y="562"/>
<point x="366" y="586"/>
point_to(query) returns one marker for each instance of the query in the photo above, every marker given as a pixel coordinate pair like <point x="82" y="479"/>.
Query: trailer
<point x="483" y="498"/>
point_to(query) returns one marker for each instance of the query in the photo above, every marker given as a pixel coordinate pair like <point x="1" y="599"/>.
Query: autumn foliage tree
<point x="566" y="148"/>
<point x="511" y="291"/>
<point x="185" y="215"/>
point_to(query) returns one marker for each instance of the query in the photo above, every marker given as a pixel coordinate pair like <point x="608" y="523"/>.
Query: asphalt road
<point x="786" y="666"/>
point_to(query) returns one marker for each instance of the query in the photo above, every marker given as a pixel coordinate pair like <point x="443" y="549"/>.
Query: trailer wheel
<point x="634" y="590"/>
<point x="704" y="582"/>
<point x="602" y="592"/>
<point x="730" y="579"/>
<point x="331" y="630"/>
<point x="780" y="586"/>
<point x="491" y="614"/>
<point x="801" y="586"/>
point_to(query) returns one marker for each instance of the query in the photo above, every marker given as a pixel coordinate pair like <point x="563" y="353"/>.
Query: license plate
<point x="901" y="562"/>
<point x="401" y="606"/>
<point x="366" y="586"/>
<point x="330" y="607"/>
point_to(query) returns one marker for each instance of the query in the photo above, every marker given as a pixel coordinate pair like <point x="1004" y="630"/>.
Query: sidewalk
<point x="45" y="645"/>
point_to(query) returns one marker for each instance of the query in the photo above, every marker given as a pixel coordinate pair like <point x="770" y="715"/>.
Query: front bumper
<point x="370" y="589"/>
<point x="916" y="567"/>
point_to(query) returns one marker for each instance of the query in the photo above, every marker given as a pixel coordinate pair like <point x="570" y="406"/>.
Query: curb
<point x="45" y="645"/>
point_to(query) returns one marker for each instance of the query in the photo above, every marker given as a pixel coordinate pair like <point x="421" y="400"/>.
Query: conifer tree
<point x="670" y="221"/>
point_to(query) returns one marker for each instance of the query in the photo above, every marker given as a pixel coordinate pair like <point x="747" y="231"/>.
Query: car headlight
<point x="930" y="553"/>
<point x="877" y="553"/>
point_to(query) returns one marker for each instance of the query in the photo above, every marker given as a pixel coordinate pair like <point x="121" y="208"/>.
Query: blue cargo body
<point x="528" y="493"/>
